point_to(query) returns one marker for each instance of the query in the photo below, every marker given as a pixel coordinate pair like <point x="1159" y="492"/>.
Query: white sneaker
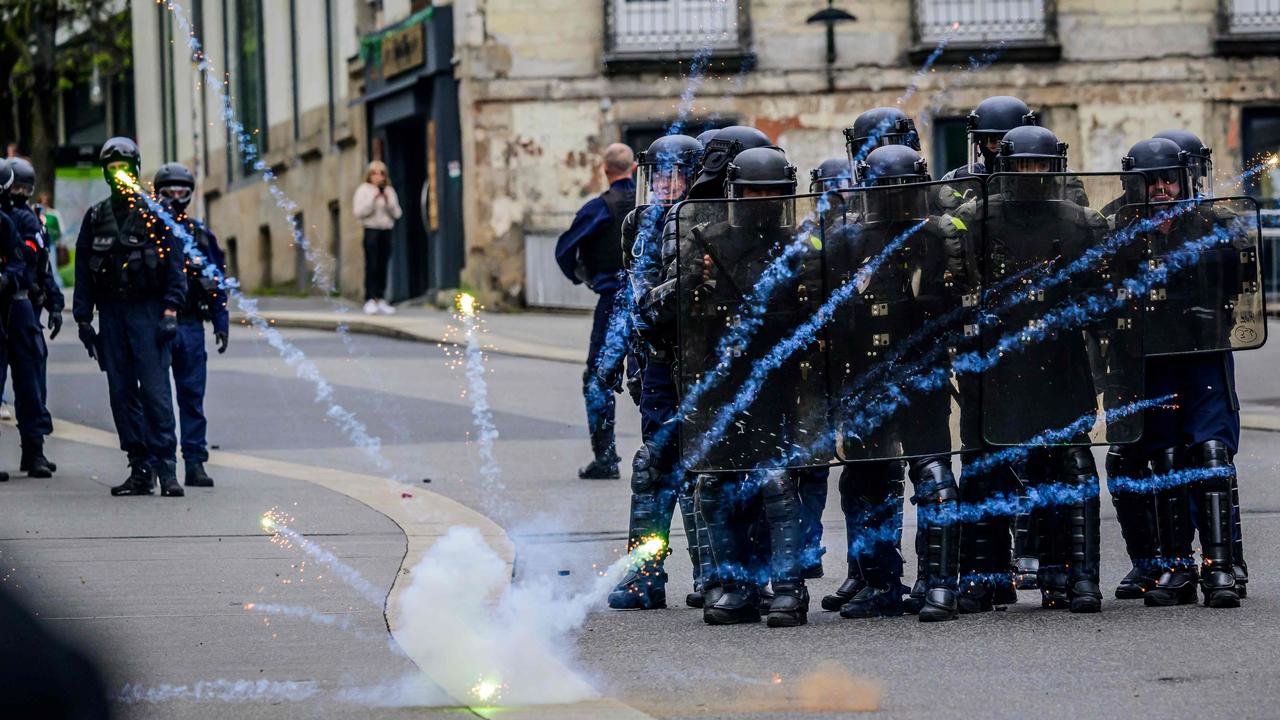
<point x="5" y="412"/>
<point x="385" y="308"/>
<point x="370" y="307"/>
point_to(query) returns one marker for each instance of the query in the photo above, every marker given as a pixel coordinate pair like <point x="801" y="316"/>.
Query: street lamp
<point x="830" y="16"/>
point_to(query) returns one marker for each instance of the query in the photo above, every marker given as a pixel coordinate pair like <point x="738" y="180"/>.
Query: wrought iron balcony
<point x="639" y="34"/>
<point x="1026" y="28"/>
<point x="1249" y="27"/>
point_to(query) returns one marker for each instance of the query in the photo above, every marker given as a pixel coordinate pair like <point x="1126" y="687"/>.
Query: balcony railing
<point x="1251" y="17"/>
<point x="672" y="30"/>
<point x="976" y="22"/>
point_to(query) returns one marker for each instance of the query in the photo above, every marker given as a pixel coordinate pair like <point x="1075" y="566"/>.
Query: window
<point x="673" y="29"/>
<point x="83" y="121"/>
<point x="950" y="145"/>
<point x="1251" y="17"/>
<point x="977" y="22"/>
<point x="168" y="109"/>
<point x="248" y="75"/>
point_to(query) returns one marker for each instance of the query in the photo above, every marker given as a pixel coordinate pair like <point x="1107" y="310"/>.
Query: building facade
<point x="493" y="113"/>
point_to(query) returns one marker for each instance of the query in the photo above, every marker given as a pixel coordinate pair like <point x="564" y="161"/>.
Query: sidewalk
<point x="545" y="336"/>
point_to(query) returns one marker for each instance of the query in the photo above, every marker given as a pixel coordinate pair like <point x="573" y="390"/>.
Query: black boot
<point x="605" y="464"/>
<point x="33" y="461"/>
<point x="141" y="480"/>
<point x="936" y="498"/>
<point x="1026" y="558"/>
<point x="1136" y="513"/>
<point x="1083" y="525"/>
<point x="652" y="505"/>
<point x="1051" y="571"/>
<point x="873" y="602"/>
<point x="196" y="476"/>
<point x="985" y="562"/>
<point x="1237" y="546"/>
<point x="870" y="499"/>
<point x="739" y="604"/>
<point x="843" y="594"/>
<point x="1177" y="582"/>
<point x="789" y="606"/>
<point x="1214" y="511"/>
<point x="167" y="473"/>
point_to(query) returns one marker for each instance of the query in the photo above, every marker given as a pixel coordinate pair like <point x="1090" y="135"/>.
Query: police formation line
<point x="1009" y="315"/>
<point x="151" y="301"/>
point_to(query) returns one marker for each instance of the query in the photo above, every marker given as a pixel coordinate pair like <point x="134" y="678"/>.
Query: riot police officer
<point x="206" y="302"/>
<point x="1202" y="430"/>
<point x="730" y="502"/>
<point x="890" y="303"/>
<point x="129" y="269"/>
<point x="871" y="492"/>
<point x="831" y="175"/>
<point x="1045" y="384"/>
<point x="26" y="353"/>
<point x="666" y="171"/>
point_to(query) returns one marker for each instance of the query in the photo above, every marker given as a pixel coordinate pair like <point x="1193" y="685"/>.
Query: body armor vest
<point x="125" y="259"/>
<point x="202" y="290"/>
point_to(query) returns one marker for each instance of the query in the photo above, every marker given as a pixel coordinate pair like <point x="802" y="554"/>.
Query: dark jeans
<point x="137" y="366"/>
<point x="190" y="366"/>
<point x="377" y="254"/>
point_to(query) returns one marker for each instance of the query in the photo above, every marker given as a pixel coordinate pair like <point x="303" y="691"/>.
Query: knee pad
<point x="1126" y="461"/>
<point x="934" y="481"/>
<point x="1213" y="455"/>
<point x="779" y="484"/>
<point x="1078" y="464"/>
<point x="644" y="476"/>
<point x="1166" y="461"/>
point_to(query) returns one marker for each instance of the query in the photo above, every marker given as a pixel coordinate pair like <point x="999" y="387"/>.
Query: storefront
<point x="411" y="101"/>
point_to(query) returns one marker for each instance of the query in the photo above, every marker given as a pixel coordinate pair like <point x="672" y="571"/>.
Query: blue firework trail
<point x="1072" y="315"/>
<point x="974" y="64"/>
<point x="1166" y="481"/>
<point x="799" y="339"/>
<point x="927" y="66"/>
<point x="478" y="393"/>
<point x="1063" y="435"/>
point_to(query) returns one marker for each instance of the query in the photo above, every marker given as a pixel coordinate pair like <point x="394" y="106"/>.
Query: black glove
<point x="168" y="328"/>
<point x="633" y="387"/>
<point x="89" y="338"/>
<point x="55" y="324"/>
<point x="221" y="339"/>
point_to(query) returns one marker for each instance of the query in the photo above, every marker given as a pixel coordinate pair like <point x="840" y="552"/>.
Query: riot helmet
<point x="174" y="185"/>
<point x="723" y="148"/>
<point x="1031" y="150"/>
<point x="1199" y="158"/>
<point x="24" y="179"/>
<point x="1165" y="166"/>
<point x="877" y="127"/>
<point x="761" y="185"/>
<point x="832" y="174"/>
<point x="6" y="182"/>
<point x="120" y="154"/>
<point x="989" y="122"/>
<point x="894" y="176"/>
<point x="666" y="170"/>
<point x="704" y="137"/>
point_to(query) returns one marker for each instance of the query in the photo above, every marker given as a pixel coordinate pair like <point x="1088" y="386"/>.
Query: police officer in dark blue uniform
<point x="1202" y="430"/>
<point x="588" y="252"/>
<point x="129" y="269"/>
<point x="174" y="185"/>
<point x="13" y="274"/>
<point x="26" y="353"/>
<point x="665" y="173"/>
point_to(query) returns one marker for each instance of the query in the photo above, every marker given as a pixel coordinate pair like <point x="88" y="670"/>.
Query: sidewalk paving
<point x="543" y="335"/>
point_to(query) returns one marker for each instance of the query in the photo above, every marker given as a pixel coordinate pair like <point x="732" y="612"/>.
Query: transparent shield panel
<point x="901" y="311"/>
<point x="1208" y="295"/>
<point x="752" y="373"/>
<point x="1061" y="359"/>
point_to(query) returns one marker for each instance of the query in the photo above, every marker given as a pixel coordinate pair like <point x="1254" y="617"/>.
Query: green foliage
<point x="106" y="42"/>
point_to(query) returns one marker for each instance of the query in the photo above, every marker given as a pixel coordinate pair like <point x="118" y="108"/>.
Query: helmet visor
<point x="178" y="194"/>
<point x="662" y="184"/>
<point x="896" y="199"/>
<point x="762" y="213"/>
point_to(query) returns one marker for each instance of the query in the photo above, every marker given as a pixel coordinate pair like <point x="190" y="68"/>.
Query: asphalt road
<point x="171" y="564"/>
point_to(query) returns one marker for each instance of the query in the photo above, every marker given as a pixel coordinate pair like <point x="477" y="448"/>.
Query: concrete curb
<point x="424" y="517"/>
<point x="1254" y="421"/>
<point x="417" y="329"/>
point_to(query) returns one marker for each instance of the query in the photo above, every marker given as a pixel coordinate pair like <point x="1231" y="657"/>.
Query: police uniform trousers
<point x="190" y="373"/>
<point x="137" y="367"/>
<point x="25" y="353"/>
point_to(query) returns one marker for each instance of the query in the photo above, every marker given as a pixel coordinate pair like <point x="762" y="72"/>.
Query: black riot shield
<point x="751" y="374"/>
<point x="1062" y="347"/>
<point x="1206" y="289"/>
<point x="900" y="309"/>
